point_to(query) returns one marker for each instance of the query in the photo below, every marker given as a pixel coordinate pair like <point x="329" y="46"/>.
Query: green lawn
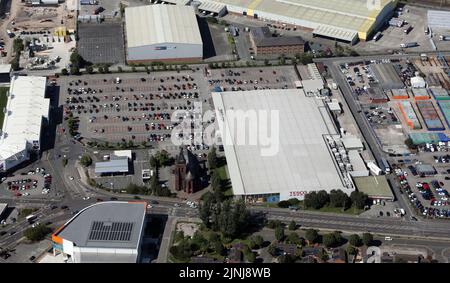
<point x="3" y="101"/>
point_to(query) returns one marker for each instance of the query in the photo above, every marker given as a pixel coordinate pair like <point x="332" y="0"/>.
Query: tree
<point x="339" y="199"/>
<point x="323" y="255"/>
<point x="37" y="233"/>
<point x="367" y="239"/>
<point x="182" y="251"/>
<point x="218" y="248"/>
<point x="101" y="70"/>
<point x="354" y="240"/>
<point x="106" y="69"/>
<point x="212" y="158"/>
<point x="215" y="180"/>
<point x="293" y="238"/>
<point x="286" y="258"/>
<point x="329" y="240"/>
<point x="77" y="60"/>
<point x="15" y="63"/>
<point x="272" y="250"/>
<point x="179" y="235"/>
<point x="90" y="69"/>
<point x="18" y="45"/>
<point x="259" y="240"/>
<point x="312" y="236"/>
<point x="74" y="70"/>
<point x="64" y="72"/>
<point x="410" y="144"/>
<point x="359" y="199"/>
<point x="119" y="69"/>
<point x="272" y="224"/>
<point x="351" y="250"/>
<point x="279" y="233"/>
<point x="250" y="257"/>
<point x="292" y="225"/>
<point x="283" y="204"/>
<point x="86" y="160"/>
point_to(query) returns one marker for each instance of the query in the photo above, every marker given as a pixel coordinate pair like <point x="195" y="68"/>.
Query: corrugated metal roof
<point x="25" y="108"/>
<point x="212" y="7"/>
<point x="335" y="32"/>
<point x="119" y="165"/>
<point x="158" y="24"/>
<point x="438" y="19"/>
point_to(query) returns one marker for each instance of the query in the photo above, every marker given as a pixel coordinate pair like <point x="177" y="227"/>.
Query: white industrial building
<point x="25" y="112"/>
<point x="105" y="232"/>
<point x="165" y="33"/>
<point x="303" y="161"/>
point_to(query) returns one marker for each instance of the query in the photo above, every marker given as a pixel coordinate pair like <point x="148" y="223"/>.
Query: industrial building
<point x="105" y="232"/>
<point x="343" y="20"/>
<point x="311" y="80"/>
<point x="303" y="161"/>
<point x="118" y="163"/>
<point x="164" y="33"/>
<point x="387" y="76"/>
<point x="24" y="116"/>
<point x="438" y="19"/>
<point x="375" y="187"/>
<point x="264" y="44"/>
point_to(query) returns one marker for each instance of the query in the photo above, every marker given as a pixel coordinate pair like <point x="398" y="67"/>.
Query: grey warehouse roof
<point x="158" y="24"/>
<point x="302" y="162"/>
<point x="438" y="19"/>
<point x="119" y="165"/>
<point x="114" y="224"/>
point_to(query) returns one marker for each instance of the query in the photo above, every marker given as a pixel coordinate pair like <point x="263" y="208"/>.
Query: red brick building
<point x="264" y="44"/>
<point x="188" y="172"/>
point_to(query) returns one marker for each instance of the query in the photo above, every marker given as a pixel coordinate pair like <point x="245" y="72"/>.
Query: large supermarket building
<point x="343" y="20"/>
<point x="302" y="162"/>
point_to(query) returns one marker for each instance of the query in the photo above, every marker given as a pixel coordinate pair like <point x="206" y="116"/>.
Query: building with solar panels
<point x="105" y="232"/>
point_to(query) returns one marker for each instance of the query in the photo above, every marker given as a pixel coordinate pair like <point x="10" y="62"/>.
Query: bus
<point x="387" y="168"/>
<point x="30" y="218"/>
<point x="377" y="36"/>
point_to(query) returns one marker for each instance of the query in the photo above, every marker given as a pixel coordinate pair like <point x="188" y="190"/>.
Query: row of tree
<point x="228" y="217"/>
<point x="336" y="198"/>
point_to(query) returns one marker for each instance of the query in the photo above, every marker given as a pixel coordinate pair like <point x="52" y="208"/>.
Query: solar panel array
<point x="110" y="231"/>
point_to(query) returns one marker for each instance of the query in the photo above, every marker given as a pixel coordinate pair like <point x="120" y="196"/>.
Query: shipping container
<point x="420" y="94"/>
<point x="439" y="93"/>
<point x="430" y="116"/>
<point x="409" y="115"/>
<point x="399" y="93"/>
<point x="444" y="106"/>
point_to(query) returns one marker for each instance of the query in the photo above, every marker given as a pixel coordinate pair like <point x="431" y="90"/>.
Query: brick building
<point x="264" y="44"/>
<point x="188" y="172"/>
